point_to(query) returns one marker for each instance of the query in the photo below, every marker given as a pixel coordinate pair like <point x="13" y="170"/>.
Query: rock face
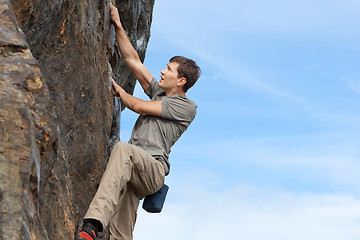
<point x="58" y="118"/>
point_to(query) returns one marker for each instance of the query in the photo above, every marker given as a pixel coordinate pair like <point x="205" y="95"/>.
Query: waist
<point x="163" y="162"/>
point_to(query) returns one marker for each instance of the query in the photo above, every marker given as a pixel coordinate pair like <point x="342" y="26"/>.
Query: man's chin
<point x="160" y="85"/>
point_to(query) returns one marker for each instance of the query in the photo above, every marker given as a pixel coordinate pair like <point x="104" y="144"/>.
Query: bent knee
<point x="122" y="146"/>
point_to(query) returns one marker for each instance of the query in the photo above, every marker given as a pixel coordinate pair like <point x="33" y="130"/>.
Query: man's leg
<point x="128" y="165"/>
<point x="117" y="174"/>
<point x="147" y="177"/>
<point x="123" y="221"/>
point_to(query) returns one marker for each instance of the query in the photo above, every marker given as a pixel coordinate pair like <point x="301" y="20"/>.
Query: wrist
<point x="121" y="91"/>
<point x="117" y="26"/>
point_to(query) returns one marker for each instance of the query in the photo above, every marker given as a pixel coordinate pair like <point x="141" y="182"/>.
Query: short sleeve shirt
<point x="157" y="135"/>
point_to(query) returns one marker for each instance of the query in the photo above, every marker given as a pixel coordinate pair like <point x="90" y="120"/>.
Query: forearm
<point x="135" y="104"/>
<point x="127" y="51"/>
<point x="128" y="100"/>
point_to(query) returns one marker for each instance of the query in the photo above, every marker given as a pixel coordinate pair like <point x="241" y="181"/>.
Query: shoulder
<point x="182" y="101"/>
<point x="154" y="89"/>
<point x="179" y="106"/>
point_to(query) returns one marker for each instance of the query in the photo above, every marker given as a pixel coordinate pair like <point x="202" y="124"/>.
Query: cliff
<point x="58" y="118"/>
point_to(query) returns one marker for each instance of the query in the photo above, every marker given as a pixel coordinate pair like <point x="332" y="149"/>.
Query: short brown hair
<point x="188" y="69"/>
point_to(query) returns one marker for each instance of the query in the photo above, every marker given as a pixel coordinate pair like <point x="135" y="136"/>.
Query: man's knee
<point x="124" y="148"/>
<point x="121" y="145"/>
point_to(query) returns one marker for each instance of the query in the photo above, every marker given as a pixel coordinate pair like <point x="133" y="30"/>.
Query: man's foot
<point x="87" y="232"/>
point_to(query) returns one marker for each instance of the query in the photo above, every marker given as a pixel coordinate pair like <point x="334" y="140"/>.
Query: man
<point x="138" y="168"/>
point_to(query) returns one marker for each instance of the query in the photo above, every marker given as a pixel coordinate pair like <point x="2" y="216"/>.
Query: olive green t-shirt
<point x="156" y="135"/>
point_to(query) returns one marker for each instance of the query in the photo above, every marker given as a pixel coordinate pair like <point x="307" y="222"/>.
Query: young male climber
<point x="138" y="168"/>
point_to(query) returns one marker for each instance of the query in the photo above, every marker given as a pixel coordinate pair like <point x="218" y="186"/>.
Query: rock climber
<point x="138" y="168"/>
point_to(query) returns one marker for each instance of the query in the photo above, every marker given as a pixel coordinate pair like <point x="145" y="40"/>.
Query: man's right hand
<point x="114" y="15"/>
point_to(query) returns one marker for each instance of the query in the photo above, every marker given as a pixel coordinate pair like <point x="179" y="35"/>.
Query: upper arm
<point x="148" y="107"/>
<point x="141" y="73"/>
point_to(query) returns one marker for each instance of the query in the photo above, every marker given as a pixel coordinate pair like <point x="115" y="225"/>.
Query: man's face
<point x="169" y="76"/>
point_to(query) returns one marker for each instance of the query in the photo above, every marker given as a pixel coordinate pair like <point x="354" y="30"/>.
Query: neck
<point x="175" y="92"/>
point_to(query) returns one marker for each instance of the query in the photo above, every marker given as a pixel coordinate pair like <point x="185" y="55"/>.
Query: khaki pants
<point x="130" y="175"/>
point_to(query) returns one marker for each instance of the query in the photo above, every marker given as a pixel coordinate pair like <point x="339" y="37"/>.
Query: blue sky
<point x="274" y="151"/>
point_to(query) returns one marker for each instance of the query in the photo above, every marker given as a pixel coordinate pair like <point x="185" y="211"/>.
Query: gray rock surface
<point x="58" y="118"/>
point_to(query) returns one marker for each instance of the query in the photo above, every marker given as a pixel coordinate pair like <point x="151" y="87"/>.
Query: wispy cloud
<point x="353" y="84"/>
<point x="330" y="159"/>
<point x="311" y="19"/>
<point x="301" y="170"/>
<point x="232" y="71"/>
<point x="311" y="67"/>
<point x="208" y="41"/>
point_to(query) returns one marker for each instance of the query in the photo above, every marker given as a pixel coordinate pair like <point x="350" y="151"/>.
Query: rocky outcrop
<point x="58" y="118"/>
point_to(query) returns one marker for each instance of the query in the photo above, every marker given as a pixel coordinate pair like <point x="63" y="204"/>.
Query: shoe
<point x="87" y="232"/>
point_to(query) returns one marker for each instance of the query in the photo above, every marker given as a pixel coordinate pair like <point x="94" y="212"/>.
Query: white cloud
<point x="252" y="213"/>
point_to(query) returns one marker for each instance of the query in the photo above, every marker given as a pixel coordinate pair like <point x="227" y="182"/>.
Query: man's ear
<point x="181" y="82"/>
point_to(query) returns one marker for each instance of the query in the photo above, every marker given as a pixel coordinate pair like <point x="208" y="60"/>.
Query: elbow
<point x="131" y="102"/>
<point x="136" y="107"/>
<point x="132" y="58"/>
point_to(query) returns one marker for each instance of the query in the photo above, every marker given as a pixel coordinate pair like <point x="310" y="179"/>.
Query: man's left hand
<point x="116" y="88"/>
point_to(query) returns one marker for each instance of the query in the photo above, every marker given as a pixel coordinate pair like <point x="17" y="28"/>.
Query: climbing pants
<point x="130" y="175"/>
